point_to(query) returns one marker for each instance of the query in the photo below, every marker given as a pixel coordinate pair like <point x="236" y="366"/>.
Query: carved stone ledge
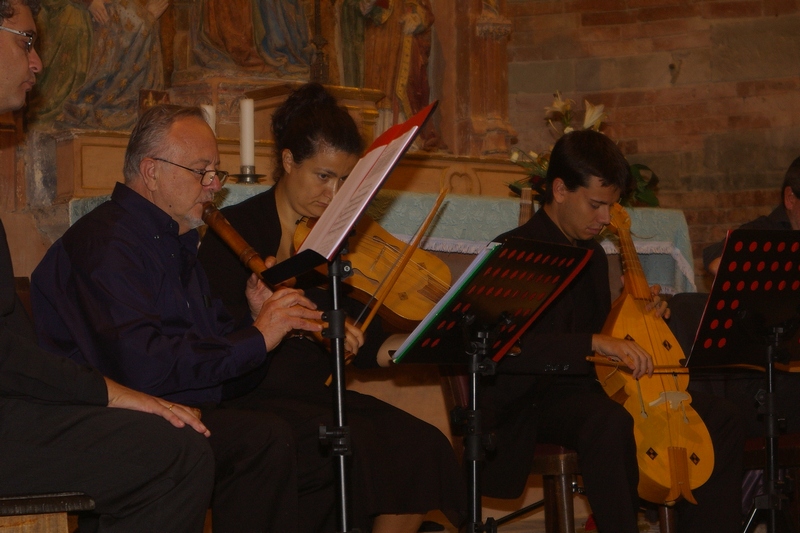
<point x="493" y="25"/>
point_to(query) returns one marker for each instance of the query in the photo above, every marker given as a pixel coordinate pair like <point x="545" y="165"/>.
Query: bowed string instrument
<point x="673" y="446"/>
<point x="400" y="284"/>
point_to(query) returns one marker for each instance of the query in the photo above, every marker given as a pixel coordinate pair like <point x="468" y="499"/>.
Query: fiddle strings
<point x="637" y="286"/>
<point x="406" y="256"/>
<point x="430" y="286"/>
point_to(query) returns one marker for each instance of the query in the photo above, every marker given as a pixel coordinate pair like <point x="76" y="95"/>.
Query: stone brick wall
<point x="704" y="92"/>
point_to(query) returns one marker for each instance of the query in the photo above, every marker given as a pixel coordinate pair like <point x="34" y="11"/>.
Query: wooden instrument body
<point x="674" y="449"/>
<point x="673" y="446"/>
<point x="373" y="252"/>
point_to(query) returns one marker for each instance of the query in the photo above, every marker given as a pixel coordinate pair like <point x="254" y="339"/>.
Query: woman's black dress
<point x="399" y="464"/>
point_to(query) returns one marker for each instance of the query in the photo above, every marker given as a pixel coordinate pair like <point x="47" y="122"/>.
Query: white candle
<point x="210" y="114"/>
<point x="246" y="133"/>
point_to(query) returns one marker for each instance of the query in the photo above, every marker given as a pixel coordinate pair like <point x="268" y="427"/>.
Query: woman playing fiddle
<point x="402" y="467"/>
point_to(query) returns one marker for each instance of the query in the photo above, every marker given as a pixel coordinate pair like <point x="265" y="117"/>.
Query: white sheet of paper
<point x="352" y="199"/>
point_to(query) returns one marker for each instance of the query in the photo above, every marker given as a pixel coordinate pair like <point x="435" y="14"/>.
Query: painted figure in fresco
<point x="65" y="37"/>
<point x="351" y="43"/>
<point x="126" y="57"/>
<point x="396" y="50"/>
<point x="260" y="35"/>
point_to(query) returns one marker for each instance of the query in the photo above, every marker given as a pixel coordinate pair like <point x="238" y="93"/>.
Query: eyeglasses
<point x="28" y="34"/>
<point x="206" y="176"/>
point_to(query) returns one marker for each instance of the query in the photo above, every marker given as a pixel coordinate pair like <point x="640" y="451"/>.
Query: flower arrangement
<point x="559" y="117"/>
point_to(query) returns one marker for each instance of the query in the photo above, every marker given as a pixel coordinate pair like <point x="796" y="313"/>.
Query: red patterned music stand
<point x="751" y="319"/>
<point x="503" y="291"/>
<point x="481" y="318"/>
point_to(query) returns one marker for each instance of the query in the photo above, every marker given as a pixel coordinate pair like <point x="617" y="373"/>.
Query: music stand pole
<point x="773" y="499"/>
<point x="779" y="500"/>
<point x="475" y="443"/>
<point x="338" y="437"/>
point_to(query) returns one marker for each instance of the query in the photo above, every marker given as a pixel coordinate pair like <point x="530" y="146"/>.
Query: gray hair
<point x="149" y="136"/>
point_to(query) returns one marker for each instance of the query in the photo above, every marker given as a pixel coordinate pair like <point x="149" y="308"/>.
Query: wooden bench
<point x="41" y="513"/>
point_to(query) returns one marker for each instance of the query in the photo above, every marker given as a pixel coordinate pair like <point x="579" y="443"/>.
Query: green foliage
<point x="642" y="195"/>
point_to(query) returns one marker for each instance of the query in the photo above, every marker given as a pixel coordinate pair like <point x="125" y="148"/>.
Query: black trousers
<point x="255" y="489"/>
<point x="601" y="431"/>
<point x="144" y="474"/>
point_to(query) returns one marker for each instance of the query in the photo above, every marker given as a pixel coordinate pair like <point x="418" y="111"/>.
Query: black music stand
<point x="751" y="319"/>
<point x="327" y="241"/>
<point x="484" y="313"/>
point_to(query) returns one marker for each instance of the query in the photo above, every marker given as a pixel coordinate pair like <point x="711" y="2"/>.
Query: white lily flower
<point x="515" y="156"/>
<point x="533" y="154"/>
<point x="594" y="115"/>
<point x="568" y="129"/>
<point x="559" y="105"/>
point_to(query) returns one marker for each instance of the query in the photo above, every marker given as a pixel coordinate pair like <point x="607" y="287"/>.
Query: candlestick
<point x="247" y="175"/>
<point x="210" y="114"/>
<point x="246" y="133"/>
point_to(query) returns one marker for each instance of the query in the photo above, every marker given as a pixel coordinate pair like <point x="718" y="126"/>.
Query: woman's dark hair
<point x="7" y="8"/>
<point x="311" y="119"/>
<point x="581" y="154"/>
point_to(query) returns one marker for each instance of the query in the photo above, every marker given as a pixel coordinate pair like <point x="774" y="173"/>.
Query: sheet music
<point x="351" y="201"/>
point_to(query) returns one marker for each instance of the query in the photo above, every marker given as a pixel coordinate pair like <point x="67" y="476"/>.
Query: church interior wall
<point x="705" y="93"/>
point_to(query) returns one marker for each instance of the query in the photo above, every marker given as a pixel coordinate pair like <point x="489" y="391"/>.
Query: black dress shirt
<point x="123" y="292"/>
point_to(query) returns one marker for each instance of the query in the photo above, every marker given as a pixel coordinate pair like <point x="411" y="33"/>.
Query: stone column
<point x="474" y="36"/>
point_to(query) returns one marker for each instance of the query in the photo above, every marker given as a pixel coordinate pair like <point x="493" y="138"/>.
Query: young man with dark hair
<point x="57" y="431"/>
<point x="549" y="393"/>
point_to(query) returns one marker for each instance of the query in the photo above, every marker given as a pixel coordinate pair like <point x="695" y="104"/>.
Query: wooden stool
<point x="558" y="467"/>
<point x="41" y="513"/>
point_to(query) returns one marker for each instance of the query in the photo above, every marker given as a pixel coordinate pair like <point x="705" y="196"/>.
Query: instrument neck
<point x="635" y="280"/>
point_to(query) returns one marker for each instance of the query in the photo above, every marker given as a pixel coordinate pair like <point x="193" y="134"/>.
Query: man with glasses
<point x="20" y="62"/>
<point x="56" y="429"/>
<point x="29" y="35"/>
<point x="122" y="290"/>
